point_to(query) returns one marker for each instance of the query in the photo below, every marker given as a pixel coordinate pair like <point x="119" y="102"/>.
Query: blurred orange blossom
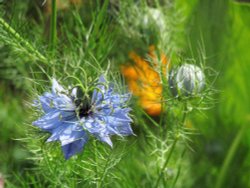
<point x="144" y="81"/>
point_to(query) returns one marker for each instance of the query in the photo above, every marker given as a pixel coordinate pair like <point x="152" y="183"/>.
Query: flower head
<point x="71" y="116"/>
<point x="144" y="82"/>
<point x="186" y="80"/>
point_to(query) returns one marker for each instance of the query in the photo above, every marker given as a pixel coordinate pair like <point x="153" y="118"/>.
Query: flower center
<point x="83" y="109"/>
<point x="82" y="103"/>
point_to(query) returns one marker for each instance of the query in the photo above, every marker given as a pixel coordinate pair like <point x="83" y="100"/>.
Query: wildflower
<point x="186" y="80"/>
<point x="70" y="116"/>
<point x="144" y="82"/>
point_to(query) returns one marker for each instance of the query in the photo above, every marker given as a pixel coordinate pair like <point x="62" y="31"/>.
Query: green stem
<point x="96" y="165"/>
<point x="229" y="157"/>
<point x="167" y="160"/>
<point x="103" y="176"/>
<point x="22" y="41"/>
<point x="172" y="147"/>
<point x="184" y="114"/>
<point x="179" y="169"/>
<point x="53" y="32"/>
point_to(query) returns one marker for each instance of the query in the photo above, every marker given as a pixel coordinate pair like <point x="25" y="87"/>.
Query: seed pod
<point x="186" y="80"/>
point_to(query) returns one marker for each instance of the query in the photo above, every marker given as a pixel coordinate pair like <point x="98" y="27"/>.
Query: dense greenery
<point x="202" y="141"/>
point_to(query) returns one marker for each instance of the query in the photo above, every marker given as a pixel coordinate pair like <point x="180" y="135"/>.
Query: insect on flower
<point x="144" y="82"/>
<point x="71" y="116"/>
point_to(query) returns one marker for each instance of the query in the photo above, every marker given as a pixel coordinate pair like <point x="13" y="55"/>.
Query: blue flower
<point x="70" y="116"/>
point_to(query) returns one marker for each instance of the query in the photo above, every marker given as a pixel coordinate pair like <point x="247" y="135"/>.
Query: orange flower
<point x="144" y="82"/>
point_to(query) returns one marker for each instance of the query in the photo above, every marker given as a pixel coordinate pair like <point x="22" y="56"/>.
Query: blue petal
<point x="51" y="101"/>
<point x="75" y="147"/>
<point x="106" y="139"/>
<point x="46" y="101"/>
<point x="56" y="133"/>
<point x="108" y="125"/>
<point x="102" y="79"/>
<point x="71" y="134"/>
<point x="74" y="92"/>
<point x="119" y="100"/>
<point x="63" y="102"/>
<point x="118" y="127"/>
<point x="113" y="101"/>
<point x="117" y="122"/>
<point x="65" y="127"/>
<point x="94" y="126"/>
<point x="123" y="129"/>
<point x="56" y="87"/>
<point x="122" y="114"/>
<point x="98" y="129"/>
<point x="53" y="119"/>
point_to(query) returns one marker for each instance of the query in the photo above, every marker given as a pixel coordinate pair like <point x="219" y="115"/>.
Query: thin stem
<point x="229" y="157"/>
<point x="53" y="32"/>
<point x="22" y="41"/>
<point x="103" y="176"/>
<point x="172" y="147"/>
<point x="167" y="160"/>
<point x="184" y="114"/>
<point x="179" y="170"/>
<point x="96" y="165"/>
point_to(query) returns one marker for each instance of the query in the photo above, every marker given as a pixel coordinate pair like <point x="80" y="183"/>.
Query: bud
<point x="153" y="17"/>
<point x="151" y="25"/>
<point x="186" y="80"/>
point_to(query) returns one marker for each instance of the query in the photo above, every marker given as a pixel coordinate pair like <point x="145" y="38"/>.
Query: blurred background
<point x="220" y="28"/>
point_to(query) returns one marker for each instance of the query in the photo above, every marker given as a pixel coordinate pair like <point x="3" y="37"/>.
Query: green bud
<point x="186" y="80"/>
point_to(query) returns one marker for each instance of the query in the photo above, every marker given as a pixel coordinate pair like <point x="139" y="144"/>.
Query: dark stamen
<point x="83" y="103"/>
<point x="84" y="109"/>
